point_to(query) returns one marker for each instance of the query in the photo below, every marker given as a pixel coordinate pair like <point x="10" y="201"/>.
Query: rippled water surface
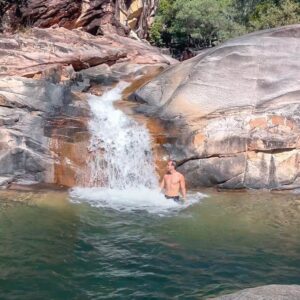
<point x="51" y="248"/>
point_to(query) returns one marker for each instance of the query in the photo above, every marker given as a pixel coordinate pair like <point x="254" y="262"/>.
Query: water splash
<point x="133" y="200"/>
<point x="121" y="172"/>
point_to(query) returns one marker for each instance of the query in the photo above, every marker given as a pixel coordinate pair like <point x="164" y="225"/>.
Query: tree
<point x="160" y="30"/>
<point x="269" y="15"/>
<point x="205" y="23"/>
<point x="194" y="23"/>
<point x="243" y="9"/>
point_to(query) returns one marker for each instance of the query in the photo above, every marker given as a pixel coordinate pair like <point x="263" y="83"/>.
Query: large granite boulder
<point x="266" y="292"/>
<point x="234" y="111"/>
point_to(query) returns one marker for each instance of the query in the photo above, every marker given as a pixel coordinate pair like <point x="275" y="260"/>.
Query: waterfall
<point x="121" y="148"/>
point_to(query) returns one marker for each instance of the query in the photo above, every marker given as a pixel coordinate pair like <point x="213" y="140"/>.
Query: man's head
<point x="171" y="165"/>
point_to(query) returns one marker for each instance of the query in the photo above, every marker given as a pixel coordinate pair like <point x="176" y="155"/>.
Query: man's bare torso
<point x="172" y="184"/>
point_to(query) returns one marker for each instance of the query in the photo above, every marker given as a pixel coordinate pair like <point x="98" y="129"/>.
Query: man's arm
<point x="182" y="187"/>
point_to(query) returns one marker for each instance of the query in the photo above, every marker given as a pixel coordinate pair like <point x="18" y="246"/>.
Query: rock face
<point x="94" y="16"/>
<point x="267" y="292"/>
<point x="235" y="111"/>
<point x="137" y="14"/>
<point x="43" y="112"/>
<point x="38" y="118"/>
<point x="37" y="50"/>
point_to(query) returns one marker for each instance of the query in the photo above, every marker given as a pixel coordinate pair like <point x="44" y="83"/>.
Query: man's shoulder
<point x="179" y="174"/>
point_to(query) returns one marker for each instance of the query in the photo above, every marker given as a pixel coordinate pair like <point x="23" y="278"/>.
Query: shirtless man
<point x="172" y="182"/>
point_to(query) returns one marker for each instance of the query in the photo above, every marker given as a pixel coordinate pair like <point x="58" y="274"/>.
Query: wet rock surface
<point x="236" y="111"/>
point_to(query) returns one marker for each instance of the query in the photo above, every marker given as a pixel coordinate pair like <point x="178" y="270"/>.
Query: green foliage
<point x="160" y="29"/>
<point x="204" y="23"/>
<point x="155" y="32"/>
<point x="242" y="9"/>
<point x="269" y="15"/>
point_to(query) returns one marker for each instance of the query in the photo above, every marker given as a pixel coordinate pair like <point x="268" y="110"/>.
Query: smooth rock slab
<point x="242" y="97"/>
<point x="267" y="292"/>
<point x="38" y="50"/>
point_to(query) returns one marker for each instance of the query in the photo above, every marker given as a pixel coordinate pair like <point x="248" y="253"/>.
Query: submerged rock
<point x="235" y="111"/>
<point x="267" y="292"/>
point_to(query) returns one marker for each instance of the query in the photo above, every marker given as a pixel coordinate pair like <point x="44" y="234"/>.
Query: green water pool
<point x="53" y="249"/>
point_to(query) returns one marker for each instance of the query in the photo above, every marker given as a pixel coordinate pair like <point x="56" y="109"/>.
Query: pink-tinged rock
<point x="258" y="122"/>
<point x="37" y="50"/>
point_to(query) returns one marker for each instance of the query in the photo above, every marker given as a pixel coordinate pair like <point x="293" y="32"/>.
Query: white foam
<point x="132" y="199"/>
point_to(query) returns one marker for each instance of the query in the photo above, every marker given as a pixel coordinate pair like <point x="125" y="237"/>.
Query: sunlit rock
<point x="38" y="50"/>
<point x="236" y="111"/>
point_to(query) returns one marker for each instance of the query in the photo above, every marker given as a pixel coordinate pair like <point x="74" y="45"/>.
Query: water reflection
<point x="38" y="233"/>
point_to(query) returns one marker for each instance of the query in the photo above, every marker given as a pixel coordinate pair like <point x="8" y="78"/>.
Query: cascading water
<point x="121" y="172"/>
<point x="127" y="159"/>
